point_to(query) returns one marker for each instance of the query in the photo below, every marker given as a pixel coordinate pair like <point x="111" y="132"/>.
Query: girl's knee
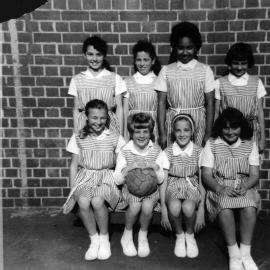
<point x="174" y="207"/>
<point x="248" y="213"/>
<point x="147" y="207"/>
<point x="84" y="204"/>
<point x="134" y="208"/>
<point x="188" y="208"/>
<point x="97" y="202"/>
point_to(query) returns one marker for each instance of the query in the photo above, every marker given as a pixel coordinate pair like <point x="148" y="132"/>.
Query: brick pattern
<point x="49" y="47"/>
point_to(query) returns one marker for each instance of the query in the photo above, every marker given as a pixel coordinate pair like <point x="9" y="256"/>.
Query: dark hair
<point x="141" y="121"/>
<point x="240" y="52"/>
<point x="184" y="29"/>
<point x="235" y="119"/>
<point x="186" y="117"/>
<point x="100" y="45"/>
<point x="93" y="104"/>
<point x="146" y="46"/>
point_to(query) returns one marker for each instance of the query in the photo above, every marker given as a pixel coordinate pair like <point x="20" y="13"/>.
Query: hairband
<point x="184" y="116"/>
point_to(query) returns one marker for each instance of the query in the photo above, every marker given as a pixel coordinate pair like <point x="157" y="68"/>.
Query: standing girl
<point x="242" y="91"/>
<point x="230" y="171"/>
<point x="92" y="187"/>
<point x="184" y="193"/>
<point x="97" y="82"/>
<point x="140" y="86"/>
<point x="140" y="149"/>
<point x="185" y="85"/>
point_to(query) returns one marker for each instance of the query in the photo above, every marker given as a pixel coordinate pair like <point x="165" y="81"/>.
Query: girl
<point x="94" y="150"/>
<point x="97" y="82"/>
<point x="184" y="192"/>
<point x="242" y="91"/>
<point x="185" y="85"/>
<point x="140" y="149"/>
<point x="140" y="86"/>
<point x="230" y="171"/>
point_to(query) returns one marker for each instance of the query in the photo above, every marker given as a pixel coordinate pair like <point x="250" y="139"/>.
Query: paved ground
<point x="49" y="241"/>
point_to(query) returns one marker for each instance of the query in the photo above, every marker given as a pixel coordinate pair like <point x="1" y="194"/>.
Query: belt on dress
<point x="184" y="109"/>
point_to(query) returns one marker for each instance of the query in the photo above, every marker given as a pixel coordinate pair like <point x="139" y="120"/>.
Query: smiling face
<point x="144" y="62"/>
<point x="230" y="134"/>
<point x="94" y="58"/>
<point x="141" y="137"/>
<point x="186" y="50"/>
<point x="182" y="133"/>
<point x="97" y="119"/>
<point x="238" y="68"/>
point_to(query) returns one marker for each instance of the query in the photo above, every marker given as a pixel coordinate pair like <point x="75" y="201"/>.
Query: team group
<point x="203" y="137"/>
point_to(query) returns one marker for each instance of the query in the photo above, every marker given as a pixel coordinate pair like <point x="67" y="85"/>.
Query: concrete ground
<point x="48" y="240"/>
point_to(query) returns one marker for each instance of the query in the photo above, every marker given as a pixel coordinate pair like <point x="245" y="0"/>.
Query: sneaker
<point x="192" y="248"/>
<point x="143" y="248"/>
<point x="180" y="246"/>
<point x="235" y="263"/>
<point x="249" y="263"/>
<point x="104" y="251"/>
<point x="92" y="252"/>
<point x="128" y="247"/>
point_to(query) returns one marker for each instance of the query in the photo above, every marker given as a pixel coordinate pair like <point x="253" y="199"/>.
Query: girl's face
<point x="141" y="137"/>
<point x="97" y="119"/>
<point x="238" y="68"/>
<point x="94" y="58"/>
<point x="186" y="50"/>
<point x="230" y="134"/>
<point x="182" y="133"/>
<point x="144" y="62"/>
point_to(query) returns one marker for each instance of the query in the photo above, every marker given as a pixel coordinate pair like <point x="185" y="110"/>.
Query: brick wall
<point x="37" y="112"/>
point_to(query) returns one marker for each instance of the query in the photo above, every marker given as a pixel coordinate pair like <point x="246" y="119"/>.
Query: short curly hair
<point x="98" y="43"/>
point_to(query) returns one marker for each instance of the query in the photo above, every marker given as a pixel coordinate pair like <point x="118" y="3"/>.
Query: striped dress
<point x="95" y="178"/>
<point x="95" y="88"/>
<point x="231" y="167"/>
<point x="242" y="98"/>
<point x="183" y="180"/>
<point x="143" y="98"/>
<point x="186" y="95"/>
<point x="130" y="157"/>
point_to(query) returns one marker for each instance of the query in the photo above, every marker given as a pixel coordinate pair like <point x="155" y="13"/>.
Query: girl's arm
<point x="75" y="114"/>
<point x="217" y="104"/>
<point x="125" y="109"/>
<point x="262" y="126"/>
<point x="120" y="112"/>
<point x="73" y="169"/>
<point x="161" y="117"/>
<point x="210" y="110"/>
<point x="164" y="212"/>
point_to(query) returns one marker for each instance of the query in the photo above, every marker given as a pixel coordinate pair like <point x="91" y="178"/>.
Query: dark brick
<point x="36" y="70"/>
<point x="74" y="4"/>
<point x="222" y="3"/>
<point x="118" y="4"/>
<point x="18" y="182"/>
<point x="119" y="27"/>
<point x="251" y="14"/>
<point x="237" y="3"/>
<point x="207" y="4"/>
<point x="133" y="4"/>
<point x="66" y="133"/>
<point x="48" y="60"/>
<point x="221" y="26"/>
<point x="47" y="37"/>
<point x="265" y="3"/>
<point x="104" y="27"/>
<point x="7" y="202"/>
<point x="76" y="26"/>
<point x="163" y="27"/>
<point x="104" y="15"/>
<point x="134" y="27"/>
<point x="6" y="183"/>
<point x="55" y="192"/>
<point x="104" y="4"/>
<point x="61" y="27"/>
<point x="13" y="192"/>
<point x="194" y="15"/>
<point x="236" y="26"/>
<point x="49" y="81"/>
<point x="251" y="36"/>
<point x="131" y="38"/>
<point x="75" y="15"/>
<point x="223" y="14"/>
<point x="53" y="201"/>
<point x="49" y="49"/>
<point x="32" y="163"/>
<point x="192" y="4"/>
<point x="38" y="173"/>
<point x="53" y="153"/>
<point x="46" y="26"/>
<point x="54" y="182"/>
<point x="160" y="4"/>
<point x="53" y="172"/>
<point x="148" y="4"/>
<point x="162" y="16"/>
<point x="265" y="204"/>
<point x="52" y="163"/>
<point x="133" y="16"/>
<point x="33" y="202"/>
<point x="45" y="15"/>
<point x="42" y="192"/>
<point x="177" y="4"/>
<point x="220" y="37"/>
<point x="29" y="102"/>
<point x="90" y="26"/>
<point x="39" y="152"/>
<point x="11" y="173"/>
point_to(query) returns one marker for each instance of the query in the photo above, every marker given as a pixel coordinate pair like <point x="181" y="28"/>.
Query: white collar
<point x="90" y="75"/>
<point x="177" y="151"/>
<point x="234" y="145"/>
<point x="233" y="79"/>
<point x="130" y="146"/>
<point x="190" y="65"/>
<point x="144" y="79"/>
<point x="103" y="135"/>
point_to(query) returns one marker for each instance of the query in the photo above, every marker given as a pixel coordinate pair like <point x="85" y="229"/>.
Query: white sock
<point x="128" y="234"/>
<point x="234" y="251"/>
<point x="104" y="237"/>
<point x="94" y="237"/>
<point x="142" y="235"/>
<point x="245" y="249"/>
<point x="180" y="235"/>
<point x="189" y="235"/>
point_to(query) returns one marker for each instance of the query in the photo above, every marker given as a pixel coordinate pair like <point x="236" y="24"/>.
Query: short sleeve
<point x="72" y="146"/>
<point x="207" y="157"/>
<point x="162" y="161"/>
<point x="261" y="92"/>
<point x="72" y="90"/>
<point x="120" y="86"/>
<point x="160" y="83"/>
<point x="217" y="89"/>
<point x="120" y="144"/>
<point x="254" y="157"/>
<point x="209" y="80"/>
<point x="121" y="163"/>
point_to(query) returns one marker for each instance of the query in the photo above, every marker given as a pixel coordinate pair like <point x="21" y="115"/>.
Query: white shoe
<point x="192" y="248"/>
<point x="180" y="246"/>
<point x="249" y="263"/>
<point x="235" y="263"/>
<point x="143" y="248"/>
<point x="104" y="251"/>
<point x="92" y="252"/>
<point x="128" y="247"/>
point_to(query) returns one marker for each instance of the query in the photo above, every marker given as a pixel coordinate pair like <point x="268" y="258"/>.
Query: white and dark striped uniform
<point x="95" y="88"/>
<point x="95" y="178"/>
<point x="183" y="180"/>
<point x="231" y="167"/>
<point x="186" y="95"/>
<point x="243" y="98"/>
<point x="143" y="98"/>
<point x="131" y="158"/>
